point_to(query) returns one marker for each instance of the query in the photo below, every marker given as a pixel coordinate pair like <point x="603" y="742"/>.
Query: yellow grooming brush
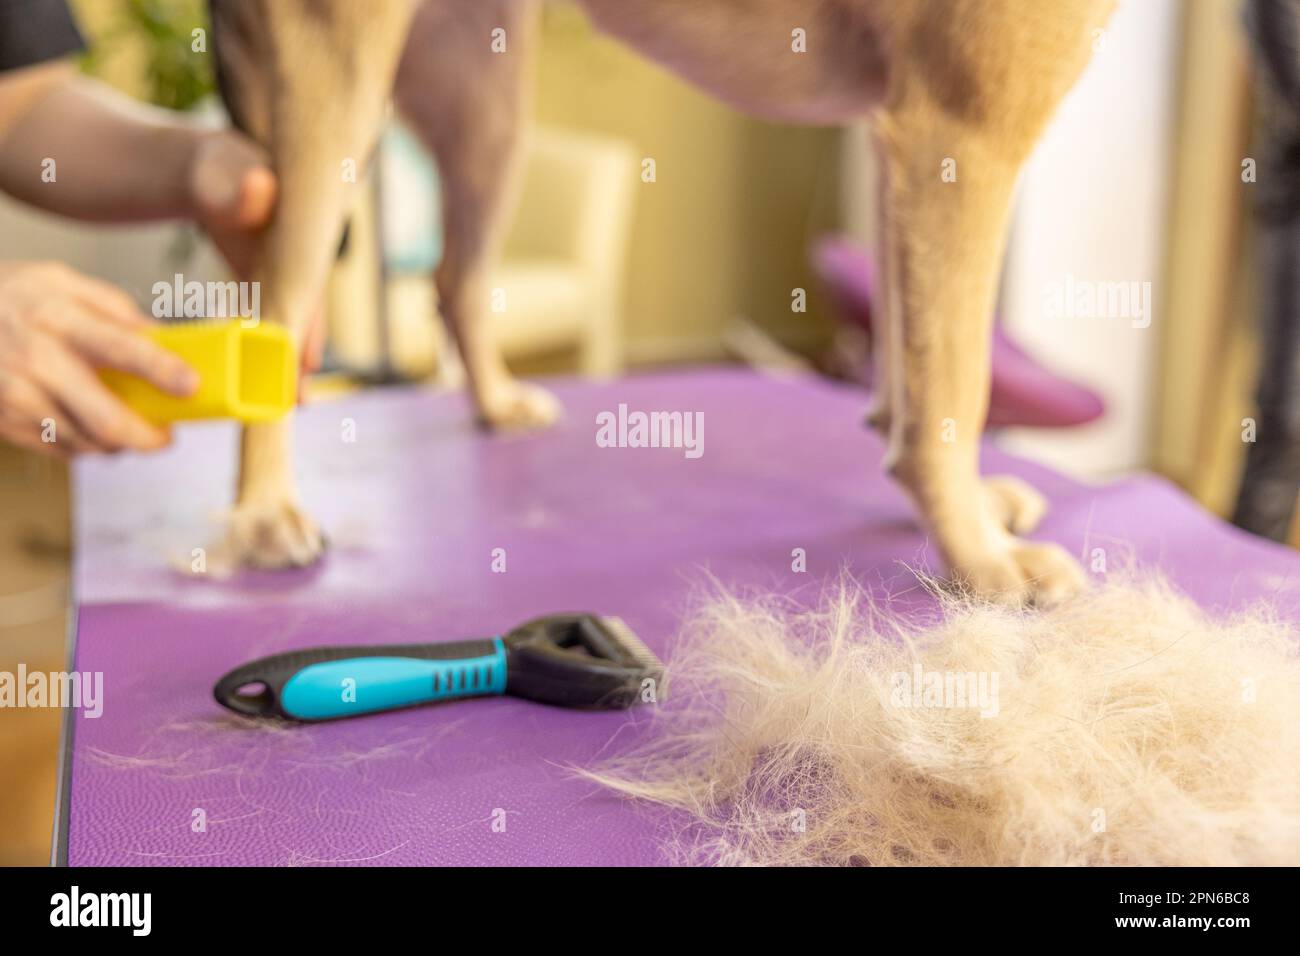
<point x="248" y="373"/>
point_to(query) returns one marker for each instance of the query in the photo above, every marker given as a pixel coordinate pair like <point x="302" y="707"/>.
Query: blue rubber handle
<point x="363" y="685"/>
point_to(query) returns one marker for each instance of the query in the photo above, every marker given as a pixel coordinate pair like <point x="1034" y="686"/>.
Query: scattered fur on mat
<point x="1125" y="726"/>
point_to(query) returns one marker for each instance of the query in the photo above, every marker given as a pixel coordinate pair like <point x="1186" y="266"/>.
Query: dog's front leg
<point x="326" y="73"/>
<point x="951" y="147"/>
<point x="946" y="242"/>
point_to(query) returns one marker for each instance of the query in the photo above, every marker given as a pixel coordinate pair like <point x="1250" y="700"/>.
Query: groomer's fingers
<point x="258" y="190"/>
<point x="31" y="417"/>
<point x="24" y="416"/>
<point x="100" y="297"/>
<point x="232" y="182"/>
<point x="109" y="301"/>
<point x="104" y="345"/>
<point x="98" y="412"/>
<point x="19" y="434"/>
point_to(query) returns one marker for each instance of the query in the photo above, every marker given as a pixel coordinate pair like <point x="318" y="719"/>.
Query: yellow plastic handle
<point x="248" y="373"/>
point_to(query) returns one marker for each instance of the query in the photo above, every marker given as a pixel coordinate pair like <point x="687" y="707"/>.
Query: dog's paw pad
<point x="271" y="535"/>
<point x="1020" y="573"/>
<point x="516" y="406"/>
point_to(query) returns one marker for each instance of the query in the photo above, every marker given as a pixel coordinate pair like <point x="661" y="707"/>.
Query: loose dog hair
<point x="1131" y="728"/>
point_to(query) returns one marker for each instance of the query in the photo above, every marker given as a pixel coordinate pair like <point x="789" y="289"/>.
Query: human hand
<point x="56" y="327"/>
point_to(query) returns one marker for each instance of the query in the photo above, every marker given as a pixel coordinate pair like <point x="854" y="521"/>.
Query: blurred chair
<point x="558" y="286"/>
<point x="563" y="265"/>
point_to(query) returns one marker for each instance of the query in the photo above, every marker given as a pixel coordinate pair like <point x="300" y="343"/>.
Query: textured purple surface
<point x="414" y="507"/>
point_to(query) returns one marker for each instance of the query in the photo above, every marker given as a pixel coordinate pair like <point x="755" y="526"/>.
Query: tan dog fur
<point x="970" y="80"/>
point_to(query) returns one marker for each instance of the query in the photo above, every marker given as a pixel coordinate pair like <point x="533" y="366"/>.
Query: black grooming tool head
<point x="581" y="660"/>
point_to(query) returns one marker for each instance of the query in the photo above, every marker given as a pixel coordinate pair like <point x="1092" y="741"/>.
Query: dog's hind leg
<point x="311" y="80"/>
<point x="983" y="76"/>
<point x="462" y="86"/>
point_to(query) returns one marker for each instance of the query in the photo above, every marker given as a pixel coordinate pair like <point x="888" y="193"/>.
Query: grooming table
<point x="414" y="508"/>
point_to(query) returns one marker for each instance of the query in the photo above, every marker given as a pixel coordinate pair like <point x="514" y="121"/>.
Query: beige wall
<point x="725" y="228"/>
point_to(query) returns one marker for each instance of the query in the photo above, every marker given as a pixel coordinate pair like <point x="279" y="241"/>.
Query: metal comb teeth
<point x="635" y="646"/>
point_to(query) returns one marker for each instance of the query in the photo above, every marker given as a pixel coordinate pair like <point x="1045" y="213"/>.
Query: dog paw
<point x="1015" y="505"/>
<point x="1021" y="572"/>
<point x="515" y="406"/>
<point x="270" y="535"/>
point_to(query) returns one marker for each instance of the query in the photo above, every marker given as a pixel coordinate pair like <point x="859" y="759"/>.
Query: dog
<point x="956" y="91"/>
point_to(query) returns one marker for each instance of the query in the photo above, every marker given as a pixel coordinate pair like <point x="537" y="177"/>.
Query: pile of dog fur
<point x="1125" y="726"/>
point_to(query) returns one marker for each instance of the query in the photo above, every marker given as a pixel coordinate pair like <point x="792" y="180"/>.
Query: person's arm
<point x="112" y="160"/>
<point x="72" y="146"/>
<point x="116" y="160"/>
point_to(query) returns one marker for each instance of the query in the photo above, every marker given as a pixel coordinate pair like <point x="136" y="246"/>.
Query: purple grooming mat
<point x="415" y="507"/>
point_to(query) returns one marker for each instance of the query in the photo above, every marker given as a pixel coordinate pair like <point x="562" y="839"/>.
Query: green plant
<point x="178" y="67"/>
